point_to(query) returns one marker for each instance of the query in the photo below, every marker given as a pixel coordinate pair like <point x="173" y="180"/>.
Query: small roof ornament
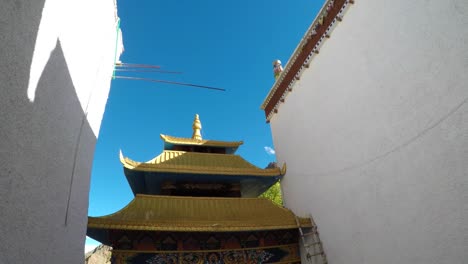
<point x="196" y="128"/>
<point x="277" y="68"/>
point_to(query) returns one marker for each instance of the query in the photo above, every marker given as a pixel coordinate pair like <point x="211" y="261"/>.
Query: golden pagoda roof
<point x="200" y="163"/>
<point x="198" y="214"/>
<point x="199" y="142"/>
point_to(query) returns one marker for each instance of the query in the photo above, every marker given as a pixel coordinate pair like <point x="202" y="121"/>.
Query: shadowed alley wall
<point x="57" y="60"/>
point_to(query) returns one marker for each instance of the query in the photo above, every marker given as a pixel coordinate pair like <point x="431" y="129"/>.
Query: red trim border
<point x="309" y="47"/>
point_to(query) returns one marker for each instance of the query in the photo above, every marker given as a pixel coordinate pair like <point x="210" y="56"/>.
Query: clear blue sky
<point x="228" y="44"/>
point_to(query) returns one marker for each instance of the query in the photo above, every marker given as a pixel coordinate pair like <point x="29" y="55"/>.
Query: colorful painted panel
<point x="283" y="254"/>
<point x="172" y="241"/>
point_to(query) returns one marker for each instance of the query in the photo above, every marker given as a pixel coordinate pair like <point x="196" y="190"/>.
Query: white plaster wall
<point x="56" y="65"/>
<point x="375" y="135"/>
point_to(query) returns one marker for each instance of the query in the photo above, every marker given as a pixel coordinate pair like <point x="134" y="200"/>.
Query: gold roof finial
<point x="196" y="128"/>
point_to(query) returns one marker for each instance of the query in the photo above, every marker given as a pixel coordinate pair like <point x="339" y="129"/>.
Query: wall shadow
<point x="43" y="145"/>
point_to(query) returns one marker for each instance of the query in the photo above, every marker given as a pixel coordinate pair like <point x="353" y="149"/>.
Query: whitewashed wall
<point x="56" y="65"/>
<point x="375" y="135"/>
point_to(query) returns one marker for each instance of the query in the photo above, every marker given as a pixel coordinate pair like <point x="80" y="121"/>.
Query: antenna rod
<point x="170" y="82"/>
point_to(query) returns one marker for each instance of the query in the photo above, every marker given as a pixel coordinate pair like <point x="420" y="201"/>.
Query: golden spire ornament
<point x="196" y="128"/>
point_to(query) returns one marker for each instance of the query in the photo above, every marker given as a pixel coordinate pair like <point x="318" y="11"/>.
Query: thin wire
<point x="170" y="82"/>
<point x="135" y="65"/>
<point x="77" y="145"/>
<point x="138" y="70"/>
<point x="75" y="157"/>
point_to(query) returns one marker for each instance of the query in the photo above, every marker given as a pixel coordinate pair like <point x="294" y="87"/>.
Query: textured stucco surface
<point x="375" y="135"/>
<point x="57" y="59"/>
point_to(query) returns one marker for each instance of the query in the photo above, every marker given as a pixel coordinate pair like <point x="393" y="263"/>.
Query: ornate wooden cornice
<point x="331" y="13"/>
